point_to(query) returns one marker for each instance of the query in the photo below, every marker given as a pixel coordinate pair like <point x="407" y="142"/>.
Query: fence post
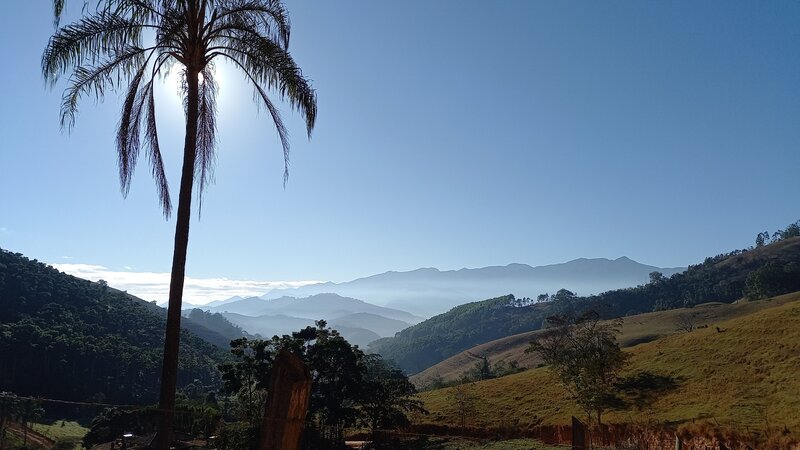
<point x="578" y="434"/>
<point x="287" y="403"/>
<point x="678" y="443"/>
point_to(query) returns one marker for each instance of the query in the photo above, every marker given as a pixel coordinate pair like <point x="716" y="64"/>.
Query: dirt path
<point x="34" y="438"/>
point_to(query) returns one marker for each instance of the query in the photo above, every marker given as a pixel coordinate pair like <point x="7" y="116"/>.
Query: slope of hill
<point x="419" y="347"/>
<point x="271" y="325"/>
<point x="769" y="270"/>
<point x="210" y="329"/>
<point x="217" y="323"/>
<point x="429" y="291"/>
<point x="741" y="378"/>
<point x="382" y="326"/>
<point x="268" y="325"/>
<point x="321" y="306"/>
<point x="635" y="330"/>
<point x="67" y="338"/>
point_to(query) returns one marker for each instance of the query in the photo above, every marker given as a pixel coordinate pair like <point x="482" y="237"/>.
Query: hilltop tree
<point x="656" y="277"/>
<point x="583" y="352"/>
<point x="762" y="239"/>
<point x="106" y="50"/>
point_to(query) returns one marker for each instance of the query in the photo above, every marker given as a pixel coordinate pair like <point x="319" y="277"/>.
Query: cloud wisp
<point x="155" y="286"/>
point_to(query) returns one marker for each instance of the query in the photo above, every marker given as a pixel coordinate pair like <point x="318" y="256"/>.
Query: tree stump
<point x="287" y="403"/>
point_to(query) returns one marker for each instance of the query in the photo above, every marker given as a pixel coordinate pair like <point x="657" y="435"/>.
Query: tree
<point x="656" y="277"/>
<point x="762" y="239"/>
<point x="687" y="322"/>
<point x="387" y="396"/>
<point x="482" y="370"/>
<point x="106" y="49"/>
<point x="463" y="400"/>
<point x="349" y="388"/>
<point x="584" y="354"/>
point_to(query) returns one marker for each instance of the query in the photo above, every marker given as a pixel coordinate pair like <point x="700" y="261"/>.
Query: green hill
<point x="66" y="338"/>
<point x="636" y="329"/>
<point x="216" y="323"/>
<point x="767" y="270"/>
<point x="433" y="340"/>
<point x="741" y="378"/>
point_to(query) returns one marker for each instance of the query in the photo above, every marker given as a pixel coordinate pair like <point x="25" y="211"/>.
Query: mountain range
<point x="358" y="321"/>
<point x="429" y="291"/>
<point x="425" y="292"/>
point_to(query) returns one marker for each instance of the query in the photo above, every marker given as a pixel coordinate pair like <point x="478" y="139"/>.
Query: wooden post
<point x="578" y="434"/>
<point x="678" y="443"/>
<point x="287" y="403"/>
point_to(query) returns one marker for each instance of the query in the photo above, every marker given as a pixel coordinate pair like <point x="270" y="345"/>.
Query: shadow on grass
<point x="640" y="390"/>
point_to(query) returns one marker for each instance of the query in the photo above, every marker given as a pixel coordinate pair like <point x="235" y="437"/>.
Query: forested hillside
<point x="764" y="271"/>
<point x="217" y="323"/>
<point x="67" y="338"/>
<point x="423" y="345"/>
<point x="770" y="268"/>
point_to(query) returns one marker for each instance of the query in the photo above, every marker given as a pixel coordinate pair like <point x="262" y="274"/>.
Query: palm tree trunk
<point x="169" y="371"/>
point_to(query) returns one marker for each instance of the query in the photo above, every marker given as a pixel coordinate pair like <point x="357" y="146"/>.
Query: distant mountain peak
<point x="429" y="291"/>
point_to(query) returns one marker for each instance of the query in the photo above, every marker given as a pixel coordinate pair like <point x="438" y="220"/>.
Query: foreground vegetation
<point x="740" y="374"/>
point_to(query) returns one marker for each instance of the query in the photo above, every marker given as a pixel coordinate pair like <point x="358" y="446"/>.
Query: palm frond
<point x="58" y="8"/>
<point x="280" y="128"/>
<point x="95" y="80"/>
<point x="128" y="132"/>
<point x="154" y="155"/>
<point x="87" y="41"/>
<point x="273" y="67"/>
<point x="270" y="18"/>
<point x="206" y="133"/>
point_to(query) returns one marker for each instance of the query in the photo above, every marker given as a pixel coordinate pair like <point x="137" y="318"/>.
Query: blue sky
<point x="450" y="134"/>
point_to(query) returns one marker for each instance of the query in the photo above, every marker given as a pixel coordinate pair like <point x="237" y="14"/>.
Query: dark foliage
<point x="216" y="322"/>
<point x="67" y="338"/>
<point x="349" y="388"/>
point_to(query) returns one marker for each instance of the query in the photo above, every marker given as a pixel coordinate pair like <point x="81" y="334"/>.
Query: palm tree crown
<point x="106" y="50"/>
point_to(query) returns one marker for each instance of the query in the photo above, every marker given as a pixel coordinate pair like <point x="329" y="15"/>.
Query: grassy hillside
<point x="635" y="330"/>
<point x="742" y="378"/>
<point x="63" y="431"/>
<point x="768" y="270"/>
<point x="66" y="338"/>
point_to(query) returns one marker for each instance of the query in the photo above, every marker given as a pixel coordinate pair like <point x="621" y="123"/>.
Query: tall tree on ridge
<point x="106" y="50"/>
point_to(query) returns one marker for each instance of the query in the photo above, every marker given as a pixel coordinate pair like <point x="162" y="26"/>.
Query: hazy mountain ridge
<point x="358" y="321"/>
<point x="430" y="291"/>
<point x="280" y="324"/>
<point x="426" y="290"/>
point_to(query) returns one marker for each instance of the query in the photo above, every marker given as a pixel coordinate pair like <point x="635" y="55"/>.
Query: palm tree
<point x="128" y="45"/>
